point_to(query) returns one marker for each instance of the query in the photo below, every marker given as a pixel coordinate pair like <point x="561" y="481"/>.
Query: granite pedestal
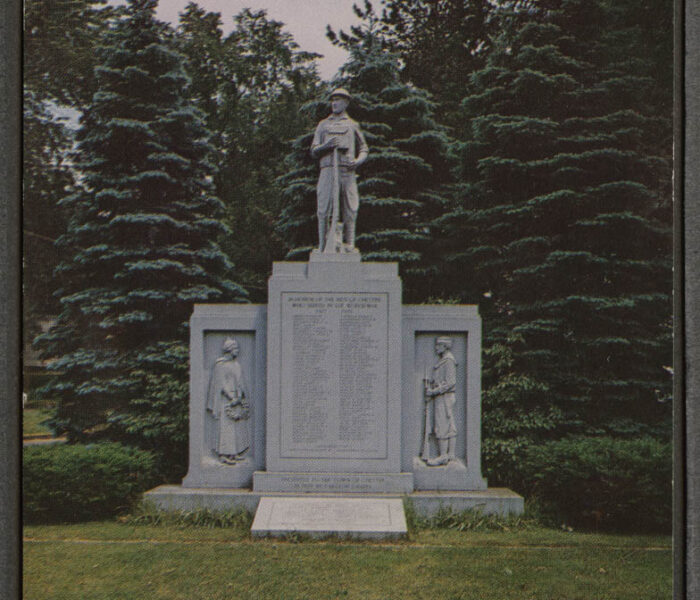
<point x="334" y="373"/>
<point x="334" y="378"/>
<point x="210" y="325"/>
<point x="421" y="326"/>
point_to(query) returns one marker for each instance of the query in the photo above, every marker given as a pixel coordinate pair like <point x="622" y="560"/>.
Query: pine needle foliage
<point x="439" y="43"/>
<point x="59" y="37"/>
<point x="563" y="229"/>
<point x="142" y="241"/>
<point x="250" y="83"/>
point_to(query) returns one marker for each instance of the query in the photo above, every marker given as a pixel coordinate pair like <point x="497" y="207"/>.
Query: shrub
<point x="82" y="482"/>
<point x="603" y="483"/>
<point x="503" y="459"/>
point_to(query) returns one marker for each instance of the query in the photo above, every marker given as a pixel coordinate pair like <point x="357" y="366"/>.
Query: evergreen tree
<point x="142" y="237"/>
<point x="401" y="182"/>
<point x="59" y="39"/>
<point x="563" y="233"/>
<point x="46" y="178"/>
<point x="440" y="43"/>
<point x="250" y="84"/>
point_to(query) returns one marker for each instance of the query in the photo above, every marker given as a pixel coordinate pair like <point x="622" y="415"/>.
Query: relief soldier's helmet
<point x="341" y="92"/>
<point x="445" y="341"/>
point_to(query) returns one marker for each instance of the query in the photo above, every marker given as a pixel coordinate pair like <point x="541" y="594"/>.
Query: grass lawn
<point x="112" y="560"/>
<point x="32" y="419"/>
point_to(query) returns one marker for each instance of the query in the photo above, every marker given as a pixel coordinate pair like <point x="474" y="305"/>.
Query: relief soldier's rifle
<point x="425" y="454"/>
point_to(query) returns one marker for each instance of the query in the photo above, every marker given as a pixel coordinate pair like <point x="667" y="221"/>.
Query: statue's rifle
<point x="331" y="234"/>
<point x="425" y="455"/>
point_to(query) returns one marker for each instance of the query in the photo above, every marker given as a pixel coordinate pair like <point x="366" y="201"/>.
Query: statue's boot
<point x="349" y="236"/>
<point x="443" y="458"/>
<point x="451" y="448"/>
<point x="321" y="232"/>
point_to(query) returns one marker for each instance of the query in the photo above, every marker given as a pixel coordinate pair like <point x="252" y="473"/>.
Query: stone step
<point x="365" y="518"/>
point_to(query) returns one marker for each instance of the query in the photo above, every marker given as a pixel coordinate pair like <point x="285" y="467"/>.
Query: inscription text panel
<point x="334" y="357"/>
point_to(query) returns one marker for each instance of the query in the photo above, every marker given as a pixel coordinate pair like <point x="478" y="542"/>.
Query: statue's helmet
<point x="230" y="345"/>
<point x="342" y="92"/>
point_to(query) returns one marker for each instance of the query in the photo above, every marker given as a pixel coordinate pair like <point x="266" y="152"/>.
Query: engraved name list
<point x="334" y="375"/>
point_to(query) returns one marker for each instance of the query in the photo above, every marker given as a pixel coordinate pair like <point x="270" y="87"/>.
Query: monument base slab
<point x="453" y="476"/>
<point x="365" y="518"/>
<point x="500" y="501"/>
<point x="337" y="257"/>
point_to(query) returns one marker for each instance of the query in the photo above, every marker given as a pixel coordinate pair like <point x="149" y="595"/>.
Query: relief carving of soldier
<point x="440" y="390"/>
<point x="228" y="406"/>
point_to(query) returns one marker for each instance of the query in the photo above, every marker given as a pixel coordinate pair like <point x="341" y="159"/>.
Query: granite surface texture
<point x="333" y="368"/>
<point x="343" y="385"/>
<point x="210" y="325"/>
<point x="500" y="501"/>
<point x="365" y="518"/>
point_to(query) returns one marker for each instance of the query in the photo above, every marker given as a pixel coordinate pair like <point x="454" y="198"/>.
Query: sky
<point x="306" y="20"/>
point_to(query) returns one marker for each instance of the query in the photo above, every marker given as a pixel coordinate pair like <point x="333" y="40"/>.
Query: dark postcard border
<point x="679" y="444"/>
<point x="686" y="303"/>
<point x="689" y="289"/>
<point x="10" y="302"/>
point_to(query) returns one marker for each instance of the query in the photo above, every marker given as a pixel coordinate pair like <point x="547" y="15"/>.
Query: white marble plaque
<point x="334" y="360"/>
<point x="362" y="517"/>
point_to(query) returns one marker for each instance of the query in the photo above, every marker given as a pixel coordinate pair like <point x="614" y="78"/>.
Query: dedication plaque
<point x="334" y="379"/>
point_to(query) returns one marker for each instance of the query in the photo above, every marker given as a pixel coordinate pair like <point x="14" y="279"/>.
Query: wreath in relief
<point x="237" y="411"/>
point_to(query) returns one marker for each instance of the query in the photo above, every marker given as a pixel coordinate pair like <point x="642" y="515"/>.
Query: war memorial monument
<point x="326" y="408"/>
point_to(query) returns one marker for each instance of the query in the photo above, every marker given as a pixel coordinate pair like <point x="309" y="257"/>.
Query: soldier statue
<point x="341" y="148"/>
